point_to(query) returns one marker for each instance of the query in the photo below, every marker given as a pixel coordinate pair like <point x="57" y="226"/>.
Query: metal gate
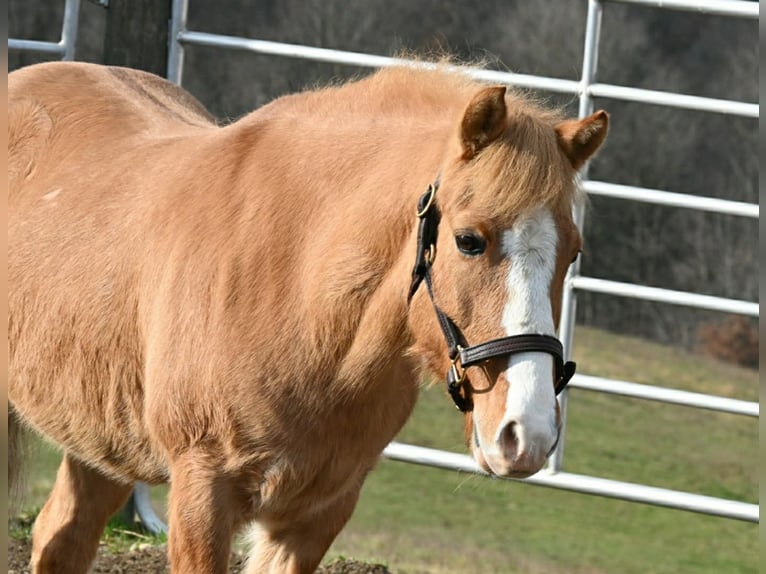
<point x="586" y="89"/>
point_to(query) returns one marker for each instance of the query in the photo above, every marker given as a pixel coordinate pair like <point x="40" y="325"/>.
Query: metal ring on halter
<point x="431" y="194"/>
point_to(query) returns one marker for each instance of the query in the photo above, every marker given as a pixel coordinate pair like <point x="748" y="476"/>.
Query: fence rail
<point x="660" y="295"/>
<point x="666" y="395"/>
<point x="585" y="484"/>
<point x="659" y="197"/>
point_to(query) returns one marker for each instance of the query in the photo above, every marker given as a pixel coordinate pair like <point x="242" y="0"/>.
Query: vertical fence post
<point x="69" y="29"/>
<point x="175" y="49"/>
<point x="569" y="298"/>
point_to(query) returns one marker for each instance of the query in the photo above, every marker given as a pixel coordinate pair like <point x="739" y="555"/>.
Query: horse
<point x="234" y="308"/>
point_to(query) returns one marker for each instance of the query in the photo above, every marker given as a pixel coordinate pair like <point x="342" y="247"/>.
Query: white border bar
<point x="659" y="197"/>
<point x="585" y="484"/>
<point x="666" y="395"/>
<point x="666" y="295"/>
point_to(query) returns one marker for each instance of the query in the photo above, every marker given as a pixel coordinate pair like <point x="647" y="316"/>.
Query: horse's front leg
<point x="297" y="545"/>
<point x="203" y="514"/>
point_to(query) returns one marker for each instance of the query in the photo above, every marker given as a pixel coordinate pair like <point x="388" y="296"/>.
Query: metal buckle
<point x="431" y="194"/>
<point x="430" y="254"/>
<point x="455" y="381"/>
<point x="457" y="376"/>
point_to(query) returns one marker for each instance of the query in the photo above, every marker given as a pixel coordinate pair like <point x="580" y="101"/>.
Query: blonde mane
<point x="429" y="100"/>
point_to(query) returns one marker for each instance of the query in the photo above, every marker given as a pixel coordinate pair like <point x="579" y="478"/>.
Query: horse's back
<point x="107" y="95"/>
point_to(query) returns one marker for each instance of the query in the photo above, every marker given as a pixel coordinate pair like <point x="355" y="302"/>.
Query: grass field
<point x="422" y="520"/>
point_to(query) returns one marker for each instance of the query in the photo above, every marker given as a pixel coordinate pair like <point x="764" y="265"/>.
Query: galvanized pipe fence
<point x="65" y="47"/>
<point x="587" y="88"/>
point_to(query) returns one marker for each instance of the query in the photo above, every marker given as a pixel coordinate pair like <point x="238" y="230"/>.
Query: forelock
<point x="524" y="168"/>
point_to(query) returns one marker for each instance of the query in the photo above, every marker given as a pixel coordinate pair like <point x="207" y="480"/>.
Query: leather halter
<point x="463" y="357"/>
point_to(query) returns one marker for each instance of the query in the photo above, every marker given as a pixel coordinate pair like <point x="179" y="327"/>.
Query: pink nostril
<point x="508" y="441"/>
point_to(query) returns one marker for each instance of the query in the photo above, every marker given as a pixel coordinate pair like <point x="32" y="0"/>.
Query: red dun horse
<point x="233" y="309"/>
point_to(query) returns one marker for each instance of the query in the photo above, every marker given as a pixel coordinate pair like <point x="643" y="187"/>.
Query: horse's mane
<point x="441" y="93"/>
<point x="422" y="88"/>
<point x="431" y="98"/>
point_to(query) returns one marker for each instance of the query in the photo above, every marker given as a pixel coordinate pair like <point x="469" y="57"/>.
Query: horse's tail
<point x="16" y="451"/>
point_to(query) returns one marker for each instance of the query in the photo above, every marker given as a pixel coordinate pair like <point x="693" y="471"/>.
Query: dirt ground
<point x="152" y="560"/>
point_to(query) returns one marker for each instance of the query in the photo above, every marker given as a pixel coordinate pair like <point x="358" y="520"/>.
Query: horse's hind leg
<point x="67" y="531"/>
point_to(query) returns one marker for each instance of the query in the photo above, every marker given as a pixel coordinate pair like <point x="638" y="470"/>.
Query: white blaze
<point x="530" y="246"/>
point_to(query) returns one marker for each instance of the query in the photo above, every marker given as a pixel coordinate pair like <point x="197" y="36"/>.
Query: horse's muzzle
<point x="517" y="452"/>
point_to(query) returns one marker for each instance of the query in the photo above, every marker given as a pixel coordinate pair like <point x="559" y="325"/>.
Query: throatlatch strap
<point x="428" y="233"/>
<point x="449" y="329"/>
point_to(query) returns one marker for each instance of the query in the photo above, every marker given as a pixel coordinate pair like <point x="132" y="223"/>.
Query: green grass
<point x="423" y="520"/>
<point x="118" y="535"/>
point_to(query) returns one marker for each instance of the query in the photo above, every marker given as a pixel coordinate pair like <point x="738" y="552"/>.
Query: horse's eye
<point x="470" y="244"/>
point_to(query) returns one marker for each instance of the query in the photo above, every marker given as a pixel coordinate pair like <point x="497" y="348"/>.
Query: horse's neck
<point x="352" y="184"/>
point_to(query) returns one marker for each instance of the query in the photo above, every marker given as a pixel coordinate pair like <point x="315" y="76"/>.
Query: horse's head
<point x="501" y="221"/>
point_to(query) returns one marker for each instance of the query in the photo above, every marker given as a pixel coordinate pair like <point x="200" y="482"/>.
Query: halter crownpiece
<point x="463" y="357"/>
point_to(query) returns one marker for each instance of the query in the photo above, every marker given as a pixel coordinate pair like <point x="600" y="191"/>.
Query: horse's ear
<point x="581" y="138"/>
<point x="483" y="121"/>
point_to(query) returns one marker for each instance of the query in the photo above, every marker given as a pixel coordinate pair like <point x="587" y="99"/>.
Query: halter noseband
<point x="464" y="357"/>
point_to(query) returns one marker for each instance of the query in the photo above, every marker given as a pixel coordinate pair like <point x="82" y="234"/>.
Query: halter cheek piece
<point x="464" y="357"/>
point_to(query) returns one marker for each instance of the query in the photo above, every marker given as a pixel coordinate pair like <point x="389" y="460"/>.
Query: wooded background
<point x="649" y="146"/>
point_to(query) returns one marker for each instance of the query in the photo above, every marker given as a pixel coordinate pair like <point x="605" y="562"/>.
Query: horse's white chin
<point x="498" y="466"/>
<point x="493" y="461"/>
